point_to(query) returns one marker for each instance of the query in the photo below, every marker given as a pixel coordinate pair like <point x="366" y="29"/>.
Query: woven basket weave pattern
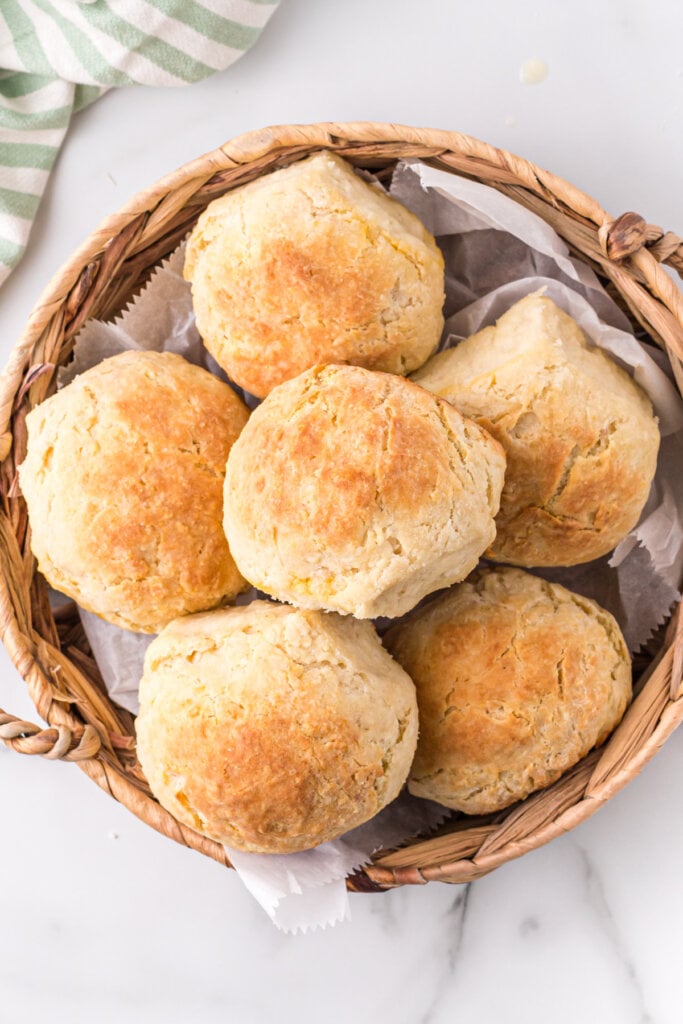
<point x="50" y="650"/>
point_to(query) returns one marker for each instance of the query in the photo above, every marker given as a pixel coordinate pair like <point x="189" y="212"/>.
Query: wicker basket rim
<point x="628" y="250"/>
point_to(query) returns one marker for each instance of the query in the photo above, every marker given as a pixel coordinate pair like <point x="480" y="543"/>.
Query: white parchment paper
<point x="301" y="891"/>
<point x="496" y="252"/>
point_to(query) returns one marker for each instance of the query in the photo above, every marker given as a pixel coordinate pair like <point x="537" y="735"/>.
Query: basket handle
<point x="630" y="232"/>
<point x="53" y="742"/>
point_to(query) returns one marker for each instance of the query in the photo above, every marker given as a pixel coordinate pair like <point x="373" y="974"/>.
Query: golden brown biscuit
<point x="271" y="729"/>
<point x="123" y="480"/>
<point x="517" y="679"/>
<point x="579" y="435"/>
<point x="359" y="492"/>
<point x="311" y="264"/>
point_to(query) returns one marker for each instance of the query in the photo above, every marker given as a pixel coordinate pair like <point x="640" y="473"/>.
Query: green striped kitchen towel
<point x="56" y="56"/>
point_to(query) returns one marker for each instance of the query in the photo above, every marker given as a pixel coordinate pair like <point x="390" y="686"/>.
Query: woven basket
<point x="50" y="650"/>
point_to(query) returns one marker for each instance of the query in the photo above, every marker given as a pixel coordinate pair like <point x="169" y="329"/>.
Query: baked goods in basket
<point x="123" y="480"/>
<point x="517" y="679"/>
<point x="311" y="264"/>
<point x="359" y="492"/>
<point x="113" y="265"/>
<point x="272" y="729"/>
<point x="579" y="434"/>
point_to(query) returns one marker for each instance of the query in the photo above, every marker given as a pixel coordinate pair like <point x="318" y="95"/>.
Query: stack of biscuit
<point x="353" y="492"/>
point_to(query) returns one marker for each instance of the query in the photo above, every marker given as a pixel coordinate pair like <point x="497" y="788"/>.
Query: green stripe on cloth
<point x="22" y="83"/>
<point x="19" y="204"/>
<point x="214" y="26"/>
<point x="29" y="154"/>
<point x="87" y="94"/>
<point x="25" y="38"/>
<point x="9" y="251"/>
<point x="26" y="42"/>
<point x="165" y="56"/>
<point x="87" y="53"/>
<point x="57" y="117"/>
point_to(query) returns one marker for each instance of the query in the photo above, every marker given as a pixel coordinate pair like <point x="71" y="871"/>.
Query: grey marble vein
<point x="456" y="917"/>
<point x="597" y="900"/>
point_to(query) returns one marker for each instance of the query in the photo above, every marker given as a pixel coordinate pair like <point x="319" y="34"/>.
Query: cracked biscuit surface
<point x="311" y="264"/>
<point x="272" y="729"/>
<point x="580" y="437"/>
<point x="359" y="492"/>
<point x="123" y="480"/>
<point x="517" y="679"/>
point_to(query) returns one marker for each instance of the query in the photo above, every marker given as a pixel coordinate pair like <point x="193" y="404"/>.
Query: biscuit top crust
<point x="579" y="434"/>
<point x="517" y="680"/>
<point x="273" y="729"/>
<point x="312" y="264"/>
<point x="360" y="492"/>
<point x="123" y="480"/>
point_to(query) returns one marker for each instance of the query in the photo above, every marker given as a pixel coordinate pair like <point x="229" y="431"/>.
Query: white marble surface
<point x="101" y="919"/>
